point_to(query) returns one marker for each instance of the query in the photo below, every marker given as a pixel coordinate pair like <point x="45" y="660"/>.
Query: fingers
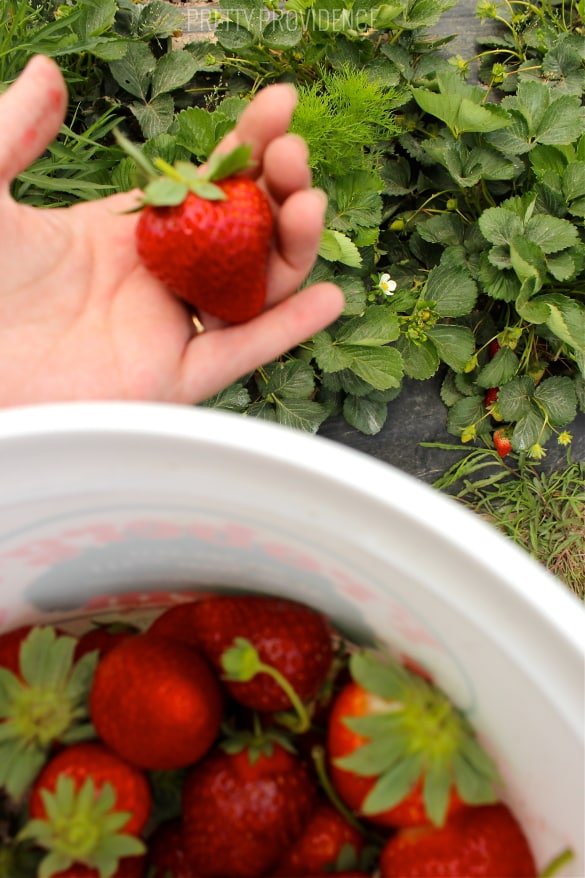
<point x="31" y="113"/>
<point x="285" y="167"/>
<point x="266" y="117"/>
<point x="214" y="360"/>
<point x="299" y="225"/>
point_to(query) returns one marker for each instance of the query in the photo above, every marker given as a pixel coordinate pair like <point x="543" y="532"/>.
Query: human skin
<point x="82" y="319"/>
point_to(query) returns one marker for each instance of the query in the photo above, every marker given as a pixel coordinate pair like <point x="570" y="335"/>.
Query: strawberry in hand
<point x="206" y="233"/>
<point x="400" y="753"/>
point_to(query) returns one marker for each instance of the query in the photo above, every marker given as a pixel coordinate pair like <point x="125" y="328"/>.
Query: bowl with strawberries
<point x="229" y="649"/>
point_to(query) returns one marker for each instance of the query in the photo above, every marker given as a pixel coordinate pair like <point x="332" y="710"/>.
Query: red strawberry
<point x="325" y="838"/>
<point x="493" y="348"/>
<point x="156" y="702"/>
<point x="289" y="637"/>
<point x="87" y="809"/>
<point x="242" y="809"/>
<point x="400" y="753"/>
<point x="502" y="443"/>
<point x="484" y="841"/>
<point x="207" y="234"/>
<point x="166" y="852"/>
<point x="103" y="637"/>
<point x="491" y="396"/>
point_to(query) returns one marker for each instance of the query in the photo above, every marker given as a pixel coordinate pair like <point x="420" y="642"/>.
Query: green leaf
<point x="475" y="774"/>
<point x="300" y="414"/>
<point x="155" y="117"/>
<point x="250" y="14"/>
<point x="421" y="360"/>
<point x="566" y="318"/>
<point x="500" y="369"/>
<point x="379" y="366"/>
<point x="97" y="18"/>
<point x="452" y="289"/>
<point x="165" y="192"/>
<point x="530" y="429"/>
<point x="172" y="71"/>
<point x="234" y="398"/>
<point x="283" y="33"/>
<point x="460" y="106"/>
<point x="465" y="412"/>
<point x="437" y="790"/>
<point x="159" y="19"/>
<point x="528" y="262"/>
<point x="134" y="71"/>
<point x="354" y="201"/>
<point x="446" y="229"/>
<point x="499" y="225"/>
<point x="384" y="677"/>
<point x="394" y="785"/>
<point x="366" y="415"/>
<point x="46" y="659"/>
<point x="499" y="284"/>
<point x="291" y="379"/>
<point x="547" y="118"/>
<point x="574" y="188"/>
<point x="225" y="164"/>
<point x="558" y="398"/>
<point x="550" y="233"/>
<point x="330" y="356"/>
<point x="455" y="344"/>
<point x="514" y="398"/>
<point x="376" y="756"/>
<point x="335" y="247"/>
<point x="377" y="326"/>
<point x="233" y="37"/>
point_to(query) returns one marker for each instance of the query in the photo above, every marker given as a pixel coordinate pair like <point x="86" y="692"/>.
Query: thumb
<point x="31" y="112"/>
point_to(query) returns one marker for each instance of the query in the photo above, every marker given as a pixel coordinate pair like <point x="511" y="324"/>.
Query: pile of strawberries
<point x="238" y="736"/>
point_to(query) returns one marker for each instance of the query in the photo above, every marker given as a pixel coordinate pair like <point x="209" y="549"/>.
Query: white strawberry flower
<point x="386" y="284"/>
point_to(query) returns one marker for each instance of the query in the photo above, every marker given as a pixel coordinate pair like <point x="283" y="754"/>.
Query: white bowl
<point x="108" y="507"/>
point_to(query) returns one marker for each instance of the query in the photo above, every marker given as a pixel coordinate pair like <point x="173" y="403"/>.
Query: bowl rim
<point x="354" y="470"/>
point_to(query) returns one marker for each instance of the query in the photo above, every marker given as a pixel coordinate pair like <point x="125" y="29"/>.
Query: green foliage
<point x="543" y="512"/>
<point x="343" y="117"/>
<point x="467" y="197"/>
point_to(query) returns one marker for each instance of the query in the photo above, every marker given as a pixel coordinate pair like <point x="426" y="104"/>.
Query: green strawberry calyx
<point x="415" y="735"/>
<point x="168" y="185"/>
<point x="47" y="704"/>
<point x="81" y="826"/>
<point x="241" y="663"/>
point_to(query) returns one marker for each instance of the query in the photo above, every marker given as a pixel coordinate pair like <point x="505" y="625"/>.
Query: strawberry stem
<point x="242" y="663"/>
<point x="318" y="757"/>
<point x="551" y="869"/>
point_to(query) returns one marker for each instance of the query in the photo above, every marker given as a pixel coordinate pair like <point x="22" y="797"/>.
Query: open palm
<point x="81" y="319"/>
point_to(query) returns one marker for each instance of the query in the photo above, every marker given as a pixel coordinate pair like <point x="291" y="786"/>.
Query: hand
<point x="81" y="319"/>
